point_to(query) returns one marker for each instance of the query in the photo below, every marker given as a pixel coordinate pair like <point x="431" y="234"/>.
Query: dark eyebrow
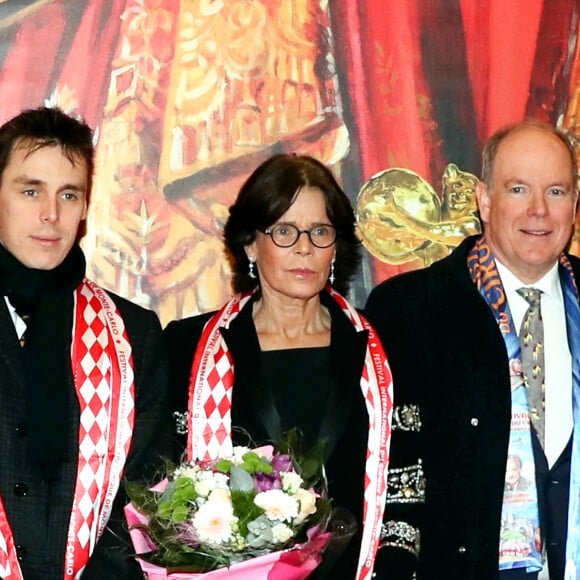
<point x="24" y="180"/>
<point x="73" y="187"/>
<point x="293" y="223"/>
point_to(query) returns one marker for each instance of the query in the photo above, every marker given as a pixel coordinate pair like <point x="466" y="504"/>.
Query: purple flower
<point x="186" y="535"/>
<point x="282" y="462"/>
<point x="267" y="481"/>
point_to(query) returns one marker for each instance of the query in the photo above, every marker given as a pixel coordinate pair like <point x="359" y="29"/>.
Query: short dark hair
<point x="491" y="147"/>
<point x="267" y="195"/>
<point x="48" y="127"/>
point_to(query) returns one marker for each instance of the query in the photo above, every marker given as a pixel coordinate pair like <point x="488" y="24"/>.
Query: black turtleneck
<point x="45" y="299"/>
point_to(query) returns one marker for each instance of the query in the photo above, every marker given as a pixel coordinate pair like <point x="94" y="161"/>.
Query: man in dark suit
<point x="452" y="336"/>
<point x="82" y="371"/>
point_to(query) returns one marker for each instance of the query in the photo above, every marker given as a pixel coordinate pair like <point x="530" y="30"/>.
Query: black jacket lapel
<point x="254" y="402"/>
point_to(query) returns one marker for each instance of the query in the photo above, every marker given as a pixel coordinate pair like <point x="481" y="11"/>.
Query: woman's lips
<point x="303" y="272"/>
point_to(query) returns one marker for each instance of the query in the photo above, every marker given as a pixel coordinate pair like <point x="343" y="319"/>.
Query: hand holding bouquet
<point x="214" y="514"/>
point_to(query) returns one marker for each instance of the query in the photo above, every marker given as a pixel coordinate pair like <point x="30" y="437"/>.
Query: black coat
<point x="38" y="512"/>
<point x="345" y="467"/>
<point x="448" y="356"/>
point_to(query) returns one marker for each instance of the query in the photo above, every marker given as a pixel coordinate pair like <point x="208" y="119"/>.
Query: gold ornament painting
<point x="200" y="93"/>
<point x="401" y="218"/>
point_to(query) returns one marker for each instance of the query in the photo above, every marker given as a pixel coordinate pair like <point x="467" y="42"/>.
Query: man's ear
<point x="483" y="200"/>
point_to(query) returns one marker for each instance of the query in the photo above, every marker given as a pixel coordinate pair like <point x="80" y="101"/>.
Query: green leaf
<point x="224" y="465"/>
<point x="185" y="492"/>
<point x="259" y="532"/>
<point x="264" y="467"/>
<point x="180" y="513"/>
<point x="249" y="468"/>
<point x="183" y="483"/>
<point x="142" y="498"/>
<point x="165" y="509"/>
<point x="245" y="509"/>
<point x="240" y="480"/>
<point x="251" y="457"/>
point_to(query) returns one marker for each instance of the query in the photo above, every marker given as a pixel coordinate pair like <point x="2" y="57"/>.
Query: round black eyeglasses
<point x="286" y="235"/>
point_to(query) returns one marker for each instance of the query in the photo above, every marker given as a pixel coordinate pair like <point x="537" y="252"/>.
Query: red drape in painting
<point x="87" y="67"/>
<point x="379" y="51"/>
<point x="50" y="50"/>
<point x="378" y="47"/>
<point x="27" y="69"/>
<point x="501" y="39"/>
<point x="552" y="83"/>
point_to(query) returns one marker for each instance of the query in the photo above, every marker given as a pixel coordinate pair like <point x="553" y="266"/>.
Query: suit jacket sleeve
<point x="390" y="309"/>
<point x="181" y="339"/>
<point x="113" y="554"/>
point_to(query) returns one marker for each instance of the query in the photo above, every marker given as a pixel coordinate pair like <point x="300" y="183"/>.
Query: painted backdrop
<point x="187" y="96"/>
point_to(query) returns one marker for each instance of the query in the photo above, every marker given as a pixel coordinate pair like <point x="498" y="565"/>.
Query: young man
<point x="82" y="372"/>
<point x="459" y="361"/>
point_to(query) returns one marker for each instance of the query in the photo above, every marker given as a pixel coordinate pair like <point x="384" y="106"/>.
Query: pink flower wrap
<point x="296" y="563"/>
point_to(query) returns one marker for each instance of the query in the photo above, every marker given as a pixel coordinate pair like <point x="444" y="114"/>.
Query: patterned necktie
<point x="532" y="345"/>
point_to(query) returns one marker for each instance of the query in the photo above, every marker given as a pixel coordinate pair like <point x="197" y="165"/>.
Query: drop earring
<point x="251" y="272"/>
<point x="331" y="276"/>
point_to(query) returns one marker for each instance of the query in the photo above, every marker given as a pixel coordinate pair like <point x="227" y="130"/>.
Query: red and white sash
<point x="210" y="399"/>
<point x="103" y="376"/>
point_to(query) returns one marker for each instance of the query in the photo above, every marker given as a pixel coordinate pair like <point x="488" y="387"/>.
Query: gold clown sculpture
<point x="400" y="217"/>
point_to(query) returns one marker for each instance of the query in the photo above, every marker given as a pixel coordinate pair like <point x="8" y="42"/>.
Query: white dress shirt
<point x="557" y="357"/>
<point x="19" y="324"/>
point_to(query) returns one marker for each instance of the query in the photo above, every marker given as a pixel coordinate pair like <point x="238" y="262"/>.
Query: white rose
<point x="278" y="505"/>
<point x="291" y="481"/>
<point x="307" y="501"/>
<point x="221" y="481"/>
<point x="205" y="483"/>
<point x="219" y="495"/>
<point x="281" y="533"/>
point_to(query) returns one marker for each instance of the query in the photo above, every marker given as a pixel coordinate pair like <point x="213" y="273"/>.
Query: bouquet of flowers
<point x="251" y="512"/>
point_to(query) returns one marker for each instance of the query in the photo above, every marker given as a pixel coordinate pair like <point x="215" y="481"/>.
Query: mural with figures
<point x="188" y="96"/>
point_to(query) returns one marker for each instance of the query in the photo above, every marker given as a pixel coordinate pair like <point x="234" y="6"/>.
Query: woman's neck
<point x="291" y="323"/>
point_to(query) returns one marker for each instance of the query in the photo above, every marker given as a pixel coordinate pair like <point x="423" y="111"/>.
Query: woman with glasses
<point x="288" y="350"/>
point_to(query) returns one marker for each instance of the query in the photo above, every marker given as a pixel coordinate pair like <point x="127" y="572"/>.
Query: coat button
<point x="21" y="489"/>
<point x="21" y="552"/>
<point x="462" y="550"/>
<point x="474" y="421"/>
<point x="21" y="429"/>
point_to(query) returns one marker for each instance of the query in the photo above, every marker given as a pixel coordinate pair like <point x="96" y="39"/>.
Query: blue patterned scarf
<point x="572" y="304"/>
<point x="520" y="518"/>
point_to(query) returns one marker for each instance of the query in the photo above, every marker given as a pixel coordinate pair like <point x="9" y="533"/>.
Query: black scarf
<point x="46" y="297"/>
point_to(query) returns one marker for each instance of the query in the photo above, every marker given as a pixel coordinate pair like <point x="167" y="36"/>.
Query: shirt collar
<point x="549" y="283"/>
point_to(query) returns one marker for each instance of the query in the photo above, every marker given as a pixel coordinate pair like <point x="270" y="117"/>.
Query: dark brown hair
<point x="48" y="127"/>
<point x="266" y="196"/>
